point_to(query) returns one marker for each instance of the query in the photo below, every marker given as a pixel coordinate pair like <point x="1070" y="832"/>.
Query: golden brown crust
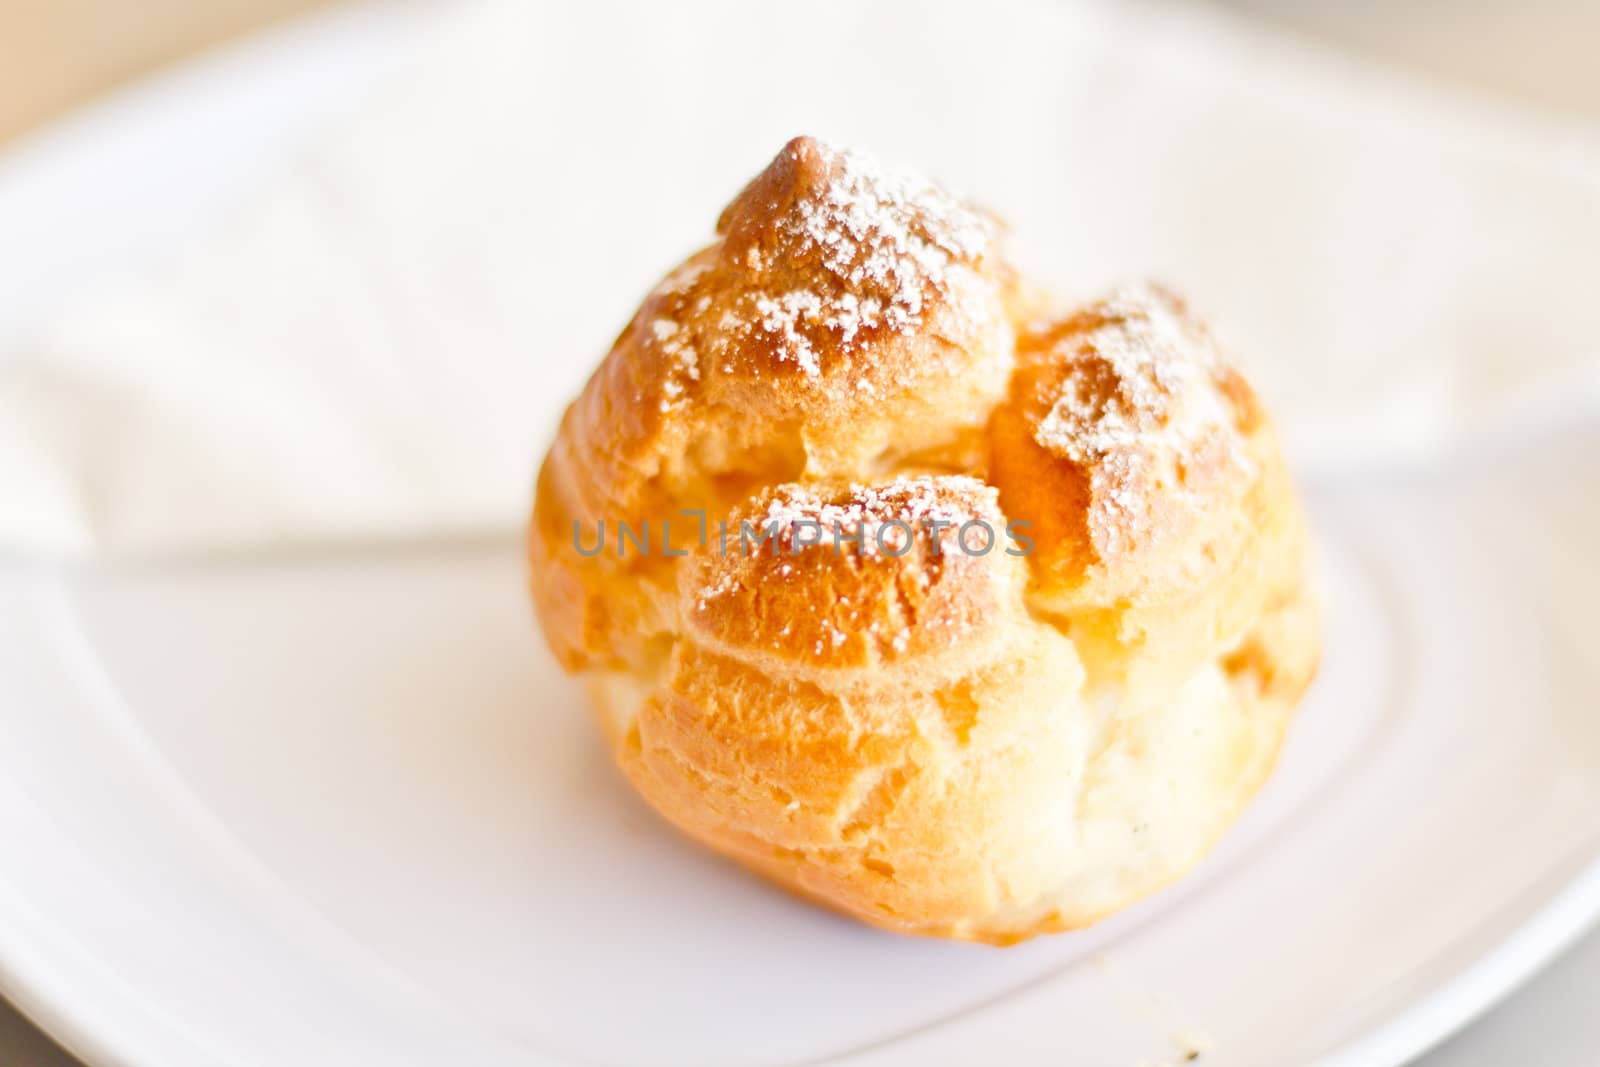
<point x="1151" y="479"/>
<point x="834" y="684"/>
<point x="847" y="321"/>
<point x="830" y="577"/>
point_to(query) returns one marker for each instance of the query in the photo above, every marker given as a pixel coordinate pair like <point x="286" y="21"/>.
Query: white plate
<point x="343" y="809"/>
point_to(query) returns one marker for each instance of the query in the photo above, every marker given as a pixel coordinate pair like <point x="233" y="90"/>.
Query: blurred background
<point x="61" y="56"/>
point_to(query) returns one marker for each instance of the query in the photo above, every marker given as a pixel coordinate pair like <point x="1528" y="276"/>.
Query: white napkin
<point x="381" y="348"/>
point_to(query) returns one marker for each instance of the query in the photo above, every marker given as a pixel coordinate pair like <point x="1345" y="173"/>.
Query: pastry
<point x="956" y="609"/>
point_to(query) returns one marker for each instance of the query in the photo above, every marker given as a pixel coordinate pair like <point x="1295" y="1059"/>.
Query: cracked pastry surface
<point x="938" y="740"/>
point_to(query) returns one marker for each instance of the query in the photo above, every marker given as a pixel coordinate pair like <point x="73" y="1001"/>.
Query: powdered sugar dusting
<point x="724" y="585"/>
<point x="883" y="517"/>
<point x="887" y="231"/>
<point x="683" y="361"/>
<point x="886" y="242"/>
<point x="682" y="279"/>
<point x="879" y="523"/>
<point x="1140" y="396"/>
